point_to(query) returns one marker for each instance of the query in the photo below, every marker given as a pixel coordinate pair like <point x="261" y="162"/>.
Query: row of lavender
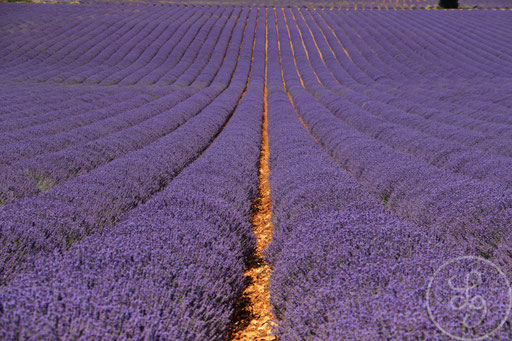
<point x="368" y="199"/>
<point x="130" y="141"/>
<point x="174" y="266"/>
<point x="139" y="63"/>
<point x="352" y="4"/>
<point x="41" y="151"/>
<point x="364" y="37"/>
<point x="78" y="141"/>
<point x="94" y="183"/>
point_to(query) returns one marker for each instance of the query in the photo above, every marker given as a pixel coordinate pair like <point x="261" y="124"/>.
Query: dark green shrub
<point x="449" y="3"/>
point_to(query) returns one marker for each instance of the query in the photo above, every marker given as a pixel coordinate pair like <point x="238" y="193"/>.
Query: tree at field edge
<point x="449" y="3"/>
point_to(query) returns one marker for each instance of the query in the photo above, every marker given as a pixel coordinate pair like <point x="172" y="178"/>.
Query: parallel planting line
<point x="254" y="318"/>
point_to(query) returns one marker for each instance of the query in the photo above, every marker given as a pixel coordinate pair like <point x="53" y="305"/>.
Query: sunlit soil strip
<point x="335" y="36"/>
<point x="323" y="35"/>
<point x="301" y="39"/>
<point x="257" y="321"/>
<point x="284" y="81"/>
<point x="291" y="46"/>
<point x="360" y="38"/>
<point x="229" y="42"/>
<point x="316" y="45"/>
<point x="305" y="48"/>
<point x="293" y="52"/>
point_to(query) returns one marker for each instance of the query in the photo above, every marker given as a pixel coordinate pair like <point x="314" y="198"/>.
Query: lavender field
<point x="235" y="172"/>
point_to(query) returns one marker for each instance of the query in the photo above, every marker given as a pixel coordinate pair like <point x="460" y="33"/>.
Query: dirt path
<point x="254" y="318"/>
